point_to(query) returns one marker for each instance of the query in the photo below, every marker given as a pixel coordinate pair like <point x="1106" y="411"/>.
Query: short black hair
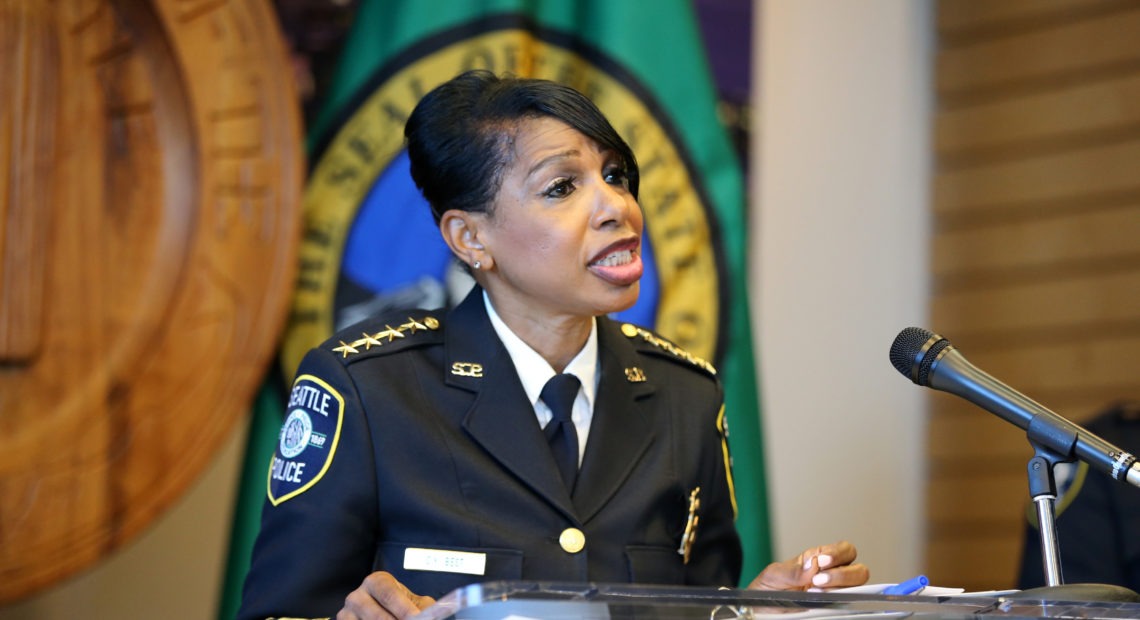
<point x="459" y="135"/>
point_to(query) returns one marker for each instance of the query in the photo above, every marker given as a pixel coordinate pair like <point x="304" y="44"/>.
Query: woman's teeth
<point x="615" y="259"/>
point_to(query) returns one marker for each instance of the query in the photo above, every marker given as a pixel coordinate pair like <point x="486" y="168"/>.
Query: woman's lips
<point x="619" y="264"/>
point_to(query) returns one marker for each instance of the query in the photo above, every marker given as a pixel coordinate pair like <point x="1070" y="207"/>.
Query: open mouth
<point x="619" y="264"/>
<point x="621" y="257"/>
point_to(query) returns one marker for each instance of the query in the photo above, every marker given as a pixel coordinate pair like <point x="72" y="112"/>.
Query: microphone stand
<point x="1043" y="490"/>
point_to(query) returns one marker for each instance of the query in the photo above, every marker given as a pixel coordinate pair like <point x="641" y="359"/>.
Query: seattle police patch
<point x="308" y="438"/>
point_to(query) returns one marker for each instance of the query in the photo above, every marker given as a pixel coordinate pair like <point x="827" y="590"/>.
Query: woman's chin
<point x="622" y="299"/>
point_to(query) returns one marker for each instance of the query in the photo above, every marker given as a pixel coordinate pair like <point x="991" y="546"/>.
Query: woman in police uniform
<point x="431" y="449"/>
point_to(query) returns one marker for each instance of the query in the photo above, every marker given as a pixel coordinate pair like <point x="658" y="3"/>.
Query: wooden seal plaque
<point x="150" y="174"/>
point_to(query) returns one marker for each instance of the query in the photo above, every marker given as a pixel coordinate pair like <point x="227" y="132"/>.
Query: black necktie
<point x="559" y="394"/>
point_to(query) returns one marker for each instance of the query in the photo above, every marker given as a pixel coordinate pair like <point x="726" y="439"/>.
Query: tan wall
<point x="1036" y="247"/>
<point x="840" y="247"/>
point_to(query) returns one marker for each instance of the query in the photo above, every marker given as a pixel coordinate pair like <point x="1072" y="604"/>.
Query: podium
<point x="519" y="600"/>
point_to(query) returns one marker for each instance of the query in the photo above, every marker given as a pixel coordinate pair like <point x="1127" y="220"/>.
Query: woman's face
<point x="564" y="231"/>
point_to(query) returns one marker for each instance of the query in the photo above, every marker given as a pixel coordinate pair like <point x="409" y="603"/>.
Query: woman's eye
<point x="560" y="188"/>
<point x="618" y="176"/>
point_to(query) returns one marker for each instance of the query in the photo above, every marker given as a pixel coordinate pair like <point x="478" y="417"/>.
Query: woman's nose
<point x="612" y="205"/>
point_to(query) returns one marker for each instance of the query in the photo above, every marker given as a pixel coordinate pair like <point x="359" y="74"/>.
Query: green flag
<point x="644" y="65"/>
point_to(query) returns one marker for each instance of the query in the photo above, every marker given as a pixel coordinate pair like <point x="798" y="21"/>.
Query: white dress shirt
<point x="534" y="372"/>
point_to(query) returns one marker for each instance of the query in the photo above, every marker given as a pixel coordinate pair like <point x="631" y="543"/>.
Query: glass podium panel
<point x="519" y="600"/>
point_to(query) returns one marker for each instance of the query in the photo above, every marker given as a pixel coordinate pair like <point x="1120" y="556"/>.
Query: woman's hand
<point x="817" y="569"/>
<point x="381" y="597"/>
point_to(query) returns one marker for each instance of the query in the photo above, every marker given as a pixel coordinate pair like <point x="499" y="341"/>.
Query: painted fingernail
<point x="807" y="564"/>
<point x="820" y="579"/>
<point x="823" y="560"/>
<point x="815" y="589"/>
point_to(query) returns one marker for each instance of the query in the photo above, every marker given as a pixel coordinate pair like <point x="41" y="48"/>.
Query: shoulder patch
<point x="377" y="337"/>
<point x="308" y="438"/>
<point x="660" y="344"/>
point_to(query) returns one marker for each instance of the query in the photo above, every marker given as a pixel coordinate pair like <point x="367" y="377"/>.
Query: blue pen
<point x="910" y="586"/>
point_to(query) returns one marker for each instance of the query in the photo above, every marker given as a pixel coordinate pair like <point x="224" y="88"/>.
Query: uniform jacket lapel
<point x="623" y="424"/>
<point x="500" y="419"/>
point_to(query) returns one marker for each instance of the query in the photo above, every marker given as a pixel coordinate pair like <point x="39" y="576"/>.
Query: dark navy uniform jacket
<point x="413" y="431"/>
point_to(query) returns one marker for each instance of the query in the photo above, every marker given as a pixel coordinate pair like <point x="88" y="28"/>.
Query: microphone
<point x="931" y="361"/>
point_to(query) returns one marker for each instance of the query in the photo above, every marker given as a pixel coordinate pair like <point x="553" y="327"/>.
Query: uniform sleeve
<point x="716" y="556"/>
<point x="319" y="521"/>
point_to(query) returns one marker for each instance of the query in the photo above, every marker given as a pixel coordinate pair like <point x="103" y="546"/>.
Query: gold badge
<point x="467" y="369"/>
<point x="690" y="525"/>
<point x="344" y="349"/>
<point x="635" y="375"/>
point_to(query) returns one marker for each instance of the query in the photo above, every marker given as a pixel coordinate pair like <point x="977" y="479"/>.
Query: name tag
<point x="443" y="561"/>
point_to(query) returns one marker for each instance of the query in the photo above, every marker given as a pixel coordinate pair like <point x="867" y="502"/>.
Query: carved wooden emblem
<point x="150" y="172"/>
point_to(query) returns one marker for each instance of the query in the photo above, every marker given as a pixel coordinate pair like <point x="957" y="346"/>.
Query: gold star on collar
<point x="344" y="349"/>
<point x="412" y="325"/>
<point x="367" y="341"/>
<point x="390" y="333"/>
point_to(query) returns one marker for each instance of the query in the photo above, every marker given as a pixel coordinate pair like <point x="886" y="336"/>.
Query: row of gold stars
<point x="367" y="341"/>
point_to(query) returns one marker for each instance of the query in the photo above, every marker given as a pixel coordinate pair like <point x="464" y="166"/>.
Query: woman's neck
<point x="557" y="339"/>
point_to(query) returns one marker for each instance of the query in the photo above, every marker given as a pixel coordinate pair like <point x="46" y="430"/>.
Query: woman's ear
<point x="460" y="230"/>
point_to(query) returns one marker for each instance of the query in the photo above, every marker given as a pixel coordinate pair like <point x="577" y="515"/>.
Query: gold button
<point x="629" y="330"/>
<point x="572" y="540"/>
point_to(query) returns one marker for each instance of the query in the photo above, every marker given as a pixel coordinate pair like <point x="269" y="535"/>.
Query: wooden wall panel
<point x="1042" y="305"/>
<point x="1036" y="249"/>
<point x="1040" y="122"/>
<point x="959" y="18"/>
<point x="984" y="479"/>
<point x="1091" y="239"/>
<point x="992" y="555"/>
<point x="1014" y="60"/>
<point x="1081" y="176"/>
<point x="956" y="431"/>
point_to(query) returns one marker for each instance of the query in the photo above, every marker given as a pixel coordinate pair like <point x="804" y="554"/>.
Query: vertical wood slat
<point x="1035" y="255"/>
